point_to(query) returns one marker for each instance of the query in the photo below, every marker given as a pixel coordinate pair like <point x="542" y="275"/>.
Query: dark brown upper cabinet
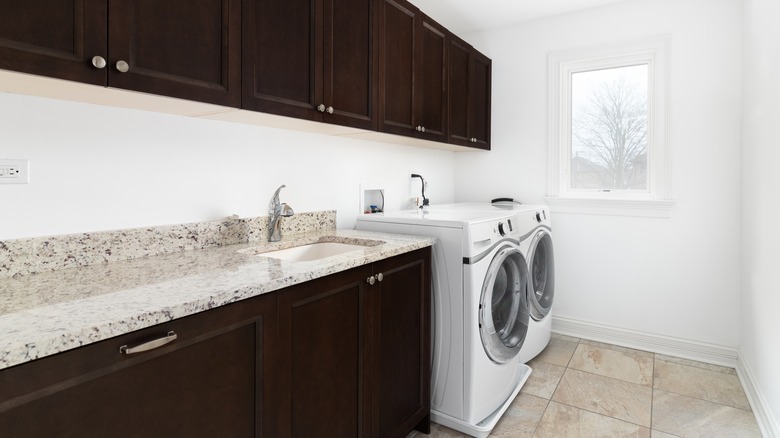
<point x="55" y="38"/>
<point x="179" y="48"/>
<point x="310" y="59"/>
<point x="469" y="95"/>
<point x="412" y="72"/>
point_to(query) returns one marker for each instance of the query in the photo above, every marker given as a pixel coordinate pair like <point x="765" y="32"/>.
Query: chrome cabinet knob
<point x="380" y="277"/>
<point x="422" y="129"/>
<point x="329" y="110"/>
<point x="122" y="66"/>
<point x="418" y="128"/>
<point x="321" y="108"/>
<point x="371" y="280"/>
<point x="99" y="62"/>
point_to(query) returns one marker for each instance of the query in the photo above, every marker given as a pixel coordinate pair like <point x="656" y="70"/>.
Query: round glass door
<point x="542" y="275"/>
<point x="504" y="313"/>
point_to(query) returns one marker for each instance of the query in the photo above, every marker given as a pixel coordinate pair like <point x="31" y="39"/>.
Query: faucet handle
<point x="286" y="211"/>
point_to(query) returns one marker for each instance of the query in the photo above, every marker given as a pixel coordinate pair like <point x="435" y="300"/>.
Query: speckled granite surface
<point x="55" y="311"/>
<point x="43" y="254"/>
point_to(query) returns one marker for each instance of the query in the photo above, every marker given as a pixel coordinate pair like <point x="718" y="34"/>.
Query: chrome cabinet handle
<point x="99" y="62"/>
<point x="122" y="66"/>
<point x="380" y="277"/>
<point x="371" y="280"/>
<point x="329" y="110"/>
<point x="321" y="108"/>
<point x="146" y="346"/>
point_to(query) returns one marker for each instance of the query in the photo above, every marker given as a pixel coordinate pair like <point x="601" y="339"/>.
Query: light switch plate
<point x="14" y="171"/>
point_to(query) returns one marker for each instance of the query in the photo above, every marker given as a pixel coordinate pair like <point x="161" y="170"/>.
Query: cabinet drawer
<point x="209" y="381"/>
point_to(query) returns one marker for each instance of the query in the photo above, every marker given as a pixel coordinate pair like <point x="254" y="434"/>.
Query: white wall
<point x="761" y="237"/>
<point x="677" y="277"/>
<point x="101" y="168"/>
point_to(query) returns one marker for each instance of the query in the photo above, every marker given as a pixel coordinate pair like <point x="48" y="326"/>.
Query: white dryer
<point x="534" y="225"/>
<point x="480" y="311"/>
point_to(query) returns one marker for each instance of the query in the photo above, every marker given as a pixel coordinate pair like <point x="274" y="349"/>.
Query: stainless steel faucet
<point x="276" y="211"/>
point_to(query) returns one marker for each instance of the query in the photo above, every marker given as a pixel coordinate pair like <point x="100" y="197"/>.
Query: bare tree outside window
<point x="609" y="129"/>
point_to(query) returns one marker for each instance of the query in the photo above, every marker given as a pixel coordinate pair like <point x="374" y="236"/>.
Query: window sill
<point x="612" y="207"/>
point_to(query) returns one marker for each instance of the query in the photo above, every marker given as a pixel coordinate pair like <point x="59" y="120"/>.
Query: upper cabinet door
<point x="189" y="49"/>
<point x="431" y="83"/>
<point x="348" y="58"/>
<point x="55" y="38"/>
<point x="469" y="96"/>
<point x="458" y="87"/>
<point x="281" y="58"/>
<point x="479" y="103"/>
<point x="397" y="30"/>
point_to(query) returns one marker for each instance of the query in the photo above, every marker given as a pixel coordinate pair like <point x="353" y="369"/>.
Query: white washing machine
<point x="480" y="311"/>
<point x="535" y="227"/>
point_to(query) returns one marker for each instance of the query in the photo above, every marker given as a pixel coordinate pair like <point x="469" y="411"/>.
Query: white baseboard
<point x="677" y="347"/>
<point x="763" y="412"/>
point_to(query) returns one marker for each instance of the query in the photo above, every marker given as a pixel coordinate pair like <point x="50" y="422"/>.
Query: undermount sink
<point x="312" y="251"/>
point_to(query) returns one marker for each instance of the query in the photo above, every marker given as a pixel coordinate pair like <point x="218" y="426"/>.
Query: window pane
<point x="609" y="129"/>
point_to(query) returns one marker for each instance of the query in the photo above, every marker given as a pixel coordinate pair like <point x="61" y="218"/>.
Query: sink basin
<point x="313" y="251"/>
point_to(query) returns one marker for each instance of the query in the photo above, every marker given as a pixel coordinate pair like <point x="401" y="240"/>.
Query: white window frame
<point x="561" y="65"/>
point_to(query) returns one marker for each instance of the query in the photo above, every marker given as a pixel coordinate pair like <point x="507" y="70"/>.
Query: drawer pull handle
<point x="146" y="346"/>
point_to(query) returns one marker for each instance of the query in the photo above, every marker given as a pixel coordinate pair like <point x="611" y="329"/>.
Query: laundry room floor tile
<point x="700" y="383"/>
<point x="693" y="363"/>
<point x="562" y="421"/>
<point x="522" y="417"/>
<point x="585" y="389"/>
<point x="693" y="418"/>
<point x="603" y="395"/>
<point x="543" y="380"/>
<point x="559" y="351"/>
<point x="624" y="364"/>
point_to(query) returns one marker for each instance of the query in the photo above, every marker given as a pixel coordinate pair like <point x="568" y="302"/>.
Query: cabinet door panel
<point x="458" y="120"/>
<point x="402" y="340"/>
<point x="480" y="101"/>
<point x="322" y="358"/>
<point x="281" y="60"/>
<point x="56" y="38"/>
<point x="179" y="48"/>
<point x="432" y="81"/>
<point x="213" y="380"/>
<point x="348" y="61"/>
<point x="398" y="30"/>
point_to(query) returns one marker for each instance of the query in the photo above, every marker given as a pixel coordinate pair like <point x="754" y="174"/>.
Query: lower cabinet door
<point x="322" y="362"/>
<point x="401" y="370"/>
<point x="212" y="380"/>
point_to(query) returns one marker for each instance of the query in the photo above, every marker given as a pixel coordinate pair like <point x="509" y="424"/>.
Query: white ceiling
<point x="461" y="16"/>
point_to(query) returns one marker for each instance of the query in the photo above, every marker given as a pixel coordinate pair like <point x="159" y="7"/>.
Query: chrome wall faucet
<point x="276" y="211"/>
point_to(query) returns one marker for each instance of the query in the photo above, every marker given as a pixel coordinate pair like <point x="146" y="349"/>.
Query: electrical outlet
<point x="14" y="171"/>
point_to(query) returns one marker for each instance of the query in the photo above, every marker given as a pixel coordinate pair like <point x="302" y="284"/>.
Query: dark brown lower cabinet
<point x="332" y="357"/>
<point x="214" y="380"/>
<point x="354" y="356"/>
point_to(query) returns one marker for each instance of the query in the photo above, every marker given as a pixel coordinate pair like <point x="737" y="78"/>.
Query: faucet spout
<point x="276" y="211"/>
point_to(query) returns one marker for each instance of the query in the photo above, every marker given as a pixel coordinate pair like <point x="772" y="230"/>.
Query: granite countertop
<point x="51" y="312"/>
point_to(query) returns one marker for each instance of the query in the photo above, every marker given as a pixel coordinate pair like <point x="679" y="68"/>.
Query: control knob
<point x="501" y="229"/>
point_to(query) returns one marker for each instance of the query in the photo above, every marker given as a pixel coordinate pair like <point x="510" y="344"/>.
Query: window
<point x="608" y="130"/>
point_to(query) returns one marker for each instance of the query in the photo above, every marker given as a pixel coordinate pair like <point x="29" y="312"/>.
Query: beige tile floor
<point x="580" y="388"/>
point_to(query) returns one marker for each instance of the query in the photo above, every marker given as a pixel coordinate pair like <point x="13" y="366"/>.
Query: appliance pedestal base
<point x="483" y="428"/>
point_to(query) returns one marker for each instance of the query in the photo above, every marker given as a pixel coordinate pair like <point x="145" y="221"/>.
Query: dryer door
<point x="542" y="266"/>
<point x="503" y="308"/>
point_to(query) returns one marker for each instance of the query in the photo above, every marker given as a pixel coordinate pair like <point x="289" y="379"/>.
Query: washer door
<point x="542" y="265"/>
<point x="503" y="308"/>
